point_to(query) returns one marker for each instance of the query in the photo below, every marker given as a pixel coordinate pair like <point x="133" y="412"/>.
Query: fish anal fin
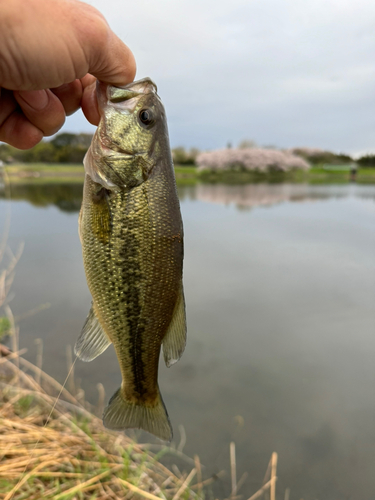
<point x="174" y="341"/>
<point x="121" y="414"/>
<point x="92" y="340"/>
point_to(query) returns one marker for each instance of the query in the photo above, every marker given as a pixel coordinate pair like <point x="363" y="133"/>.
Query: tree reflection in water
<point x="67" y="197"/>
<point x="248" y="196"/>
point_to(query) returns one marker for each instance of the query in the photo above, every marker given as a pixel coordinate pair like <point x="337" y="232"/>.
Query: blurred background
<point x="271" y="117"/>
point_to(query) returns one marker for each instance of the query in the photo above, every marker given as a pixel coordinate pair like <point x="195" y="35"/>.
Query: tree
<point x="183" y="157"/>
<point x="246" y="144"/>
<point x="67" y="139"/>
<point x="64" y="139"/>
<point x="317" y="156"/>
<point x="367" y="161"/>
<point x="44" y="152"/>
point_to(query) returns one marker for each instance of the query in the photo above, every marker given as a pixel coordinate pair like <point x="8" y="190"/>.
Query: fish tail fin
<point x="120" y="415"/>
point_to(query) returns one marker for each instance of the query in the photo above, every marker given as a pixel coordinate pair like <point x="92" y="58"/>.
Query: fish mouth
<point x="116" y="153"/>
<point x="110" y="94"/>
<point x="118" y="157"/>
<point x="139" y="87"/>
<point x="122" y="156"/>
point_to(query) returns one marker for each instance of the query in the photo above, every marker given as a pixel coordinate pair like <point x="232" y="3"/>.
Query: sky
<point x="286" y="73"/>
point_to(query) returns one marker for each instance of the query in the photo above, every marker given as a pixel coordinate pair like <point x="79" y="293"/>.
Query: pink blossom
<point x="252" y="159"/>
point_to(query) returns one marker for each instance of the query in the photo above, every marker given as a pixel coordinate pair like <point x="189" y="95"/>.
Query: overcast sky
<point x="280" y="72"/>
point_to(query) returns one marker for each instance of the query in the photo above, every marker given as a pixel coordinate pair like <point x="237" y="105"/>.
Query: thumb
<point x="109" y="59"/>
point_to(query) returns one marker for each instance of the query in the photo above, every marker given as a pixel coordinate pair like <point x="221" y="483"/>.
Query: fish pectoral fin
<point x="92" y="340"/>
<point x="174" y="341"/>
<point x="121" y="414"/>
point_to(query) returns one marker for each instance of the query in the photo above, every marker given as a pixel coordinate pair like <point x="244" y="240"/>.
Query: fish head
<point x="131" y="137"/>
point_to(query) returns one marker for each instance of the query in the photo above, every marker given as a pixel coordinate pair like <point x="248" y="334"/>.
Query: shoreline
<point x="39" y="173"/>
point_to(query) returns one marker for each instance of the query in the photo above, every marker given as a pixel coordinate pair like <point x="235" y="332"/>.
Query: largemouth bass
<point x="132" y="240"/>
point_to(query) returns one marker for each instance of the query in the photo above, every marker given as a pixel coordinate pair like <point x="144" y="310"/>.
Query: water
<point x="280" y="286"/>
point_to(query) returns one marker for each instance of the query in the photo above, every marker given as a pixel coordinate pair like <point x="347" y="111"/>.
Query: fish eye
<point x="146" y="116"/>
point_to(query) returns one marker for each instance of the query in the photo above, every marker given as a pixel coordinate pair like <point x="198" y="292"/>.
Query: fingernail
<point x="37" y="99"/>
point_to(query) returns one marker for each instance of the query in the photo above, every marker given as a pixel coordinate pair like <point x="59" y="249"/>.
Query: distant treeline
<point x="71" y="148"/>
<point x="319" y="157"/>
<point x="367" y="161"/>
<point x="63" y="148"/>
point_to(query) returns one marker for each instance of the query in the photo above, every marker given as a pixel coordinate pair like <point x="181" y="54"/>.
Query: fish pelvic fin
<point x="174" y="341"/>
<point x="92" y="340"/>
<point x="121" y="414"/>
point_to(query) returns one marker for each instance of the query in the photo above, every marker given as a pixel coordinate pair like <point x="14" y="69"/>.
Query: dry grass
<point x="67" y="454"/>
<point x="70" y="454"/>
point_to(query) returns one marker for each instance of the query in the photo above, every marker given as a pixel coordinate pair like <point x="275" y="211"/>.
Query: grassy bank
<point x="313" y="176"/>
<point x="58" y="449"/>
<point x="43" y="173"/>
<point x="321" y="175"/>
<point x="46" y="173"/>
<point x="69" y="454"/>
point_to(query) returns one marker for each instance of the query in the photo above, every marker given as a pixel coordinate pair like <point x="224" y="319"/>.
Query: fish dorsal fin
<point x="175" y="339"/>
<point x="92" y="340"/>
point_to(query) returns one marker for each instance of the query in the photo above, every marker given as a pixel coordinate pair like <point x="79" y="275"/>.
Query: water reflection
<point x="254" y="195"/>
<point x="68" y="196"/>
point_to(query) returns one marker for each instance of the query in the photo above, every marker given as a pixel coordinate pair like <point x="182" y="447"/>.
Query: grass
<point x="50" y="168"/>
<point x="186" y="175"/>
<point x="44" y="173"/>
<point x="247" y="177"/>
<point x="325" y="175"/>
<point x="316" y="175"/>
<point x="70" y="455"/>
<point x="53" y="446"/>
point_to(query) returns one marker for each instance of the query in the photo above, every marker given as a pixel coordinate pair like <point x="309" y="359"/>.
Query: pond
<point x="280" y="285"/>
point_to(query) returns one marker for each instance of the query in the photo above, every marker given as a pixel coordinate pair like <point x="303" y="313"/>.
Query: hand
<point x="51" y="52"/>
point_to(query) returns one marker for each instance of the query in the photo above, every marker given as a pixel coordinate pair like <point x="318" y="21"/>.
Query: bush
<point x="66" y="139"/>
<point x="182" y="157"/>
<point x="246" y="144"/>
<point x="254" y="159"/>
<point x="43" y="152"/>
<point x="70" y="154"/>
<point x="6" y="152"/>
<point x="366" y="161"/>
<point x="316" y="156"/>
<point x="64" y="148"/>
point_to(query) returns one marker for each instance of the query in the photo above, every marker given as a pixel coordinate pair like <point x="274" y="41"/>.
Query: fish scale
<point x="132" y="241"/>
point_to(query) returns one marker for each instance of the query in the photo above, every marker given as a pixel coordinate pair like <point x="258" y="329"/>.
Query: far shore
<point x="74" y="173"/>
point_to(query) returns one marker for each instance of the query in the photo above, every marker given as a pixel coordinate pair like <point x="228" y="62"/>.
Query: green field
<point x="51" y="173"/>
<point x="42" y="173"/>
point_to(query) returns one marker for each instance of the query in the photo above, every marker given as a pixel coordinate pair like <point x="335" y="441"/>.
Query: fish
<point x="131" y="232"/>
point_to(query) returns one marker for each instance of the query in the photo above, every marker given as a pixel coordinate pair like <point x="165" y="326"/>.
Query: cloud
<point x="286" y="73"/>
